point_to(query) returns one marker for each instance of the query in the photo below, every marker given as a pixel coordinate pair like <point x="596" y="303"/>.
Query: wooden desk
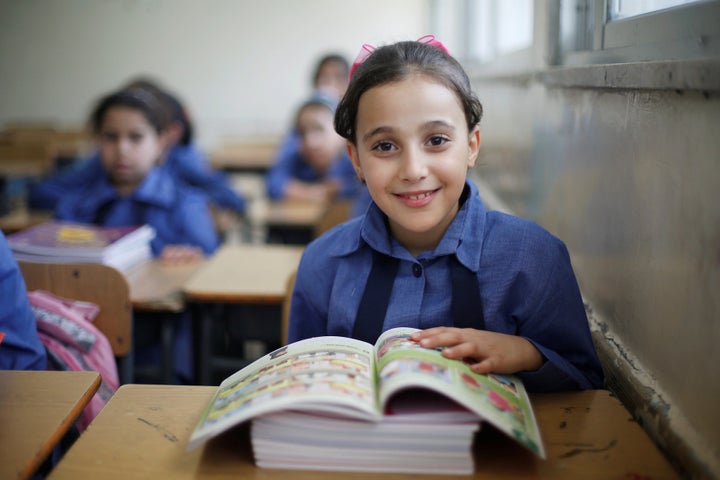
<point x="36" y="410"/>
<point x="31" y="167"/>
<point x="244" y="274"/>
<point x="157" y="287"/>
<point x="23" y="218"/>
<point x="253" y="276"/>
<point x="143" y="432"/>
<point x="288" y="221"/>
<point x="244" y="156"/>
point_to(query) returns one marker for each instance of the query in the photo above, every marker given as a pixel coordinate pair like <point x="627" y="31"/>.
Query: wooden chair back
<point x="337" y="212"/>
<point x="90" y="282"/>
<point x="27" y="159"/>
<point x="286" y="308"/>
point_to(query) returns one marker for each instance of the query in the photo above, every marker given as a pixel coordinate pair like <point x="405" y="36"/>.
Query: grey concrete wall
<point x="629" y="179"/>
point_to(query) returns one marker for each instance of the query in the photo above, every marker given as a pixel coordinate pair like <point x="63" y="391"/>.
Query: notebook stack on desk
<point x="56" y="242"/>
<point x="433" y="441"/>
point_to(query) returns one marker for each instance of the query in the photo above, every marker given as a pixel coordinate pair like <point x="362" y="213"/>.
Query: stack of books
<point x="436" y="441"/>
<point x="62" y="242"/>
<point x="339" y="404"/>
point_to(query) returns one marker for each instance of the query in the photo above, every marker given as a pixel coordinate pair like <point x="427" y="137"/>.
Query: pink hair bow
<point x="366" y="50"/>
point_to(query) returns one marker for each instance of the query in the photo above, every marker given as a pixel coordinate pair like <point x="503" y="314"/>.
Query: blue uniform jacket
<point x="184" y="162"/>
<point x="289" y="164"/>
<point x="525" y="277"/>
<point x="179" y="214"/>
<point x="21" y="349"/>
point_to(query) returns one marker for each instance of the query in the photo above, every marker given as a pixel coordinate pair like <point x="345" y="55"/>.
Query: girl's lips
<point x="416" y="199"/>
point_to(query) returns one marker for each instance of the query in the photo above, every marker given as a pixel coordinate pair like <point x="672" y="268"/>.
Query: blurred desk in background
<point x="22" y="218"/>
<point x="245" y="285"/>
<point x="244" y="156"/>
<point x="157" y="287"/>
<point x="288" y="221"/>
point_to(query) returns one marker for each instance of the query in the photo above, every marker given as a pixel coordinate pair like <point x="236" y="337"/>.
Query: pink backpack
<point x="74" y="343"/>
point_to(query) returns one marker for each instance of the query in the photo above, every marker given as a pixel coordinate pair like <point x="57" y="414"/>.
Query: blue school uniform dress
<point x="45" y="194"/>
<point x="180" y="216"/>
<point x="520" y="282"/>
<point x="21" y="348"/>
<point x="178" y="213"/>
<point x="185" y="162"/>
<point x="290" y="165"/>
<point x="190" y="165"/>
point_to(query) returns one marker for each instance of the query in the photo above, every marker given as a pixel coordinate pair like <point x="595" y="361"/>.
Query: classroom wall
<point x="629" y="180"/>
<point x="241" y="66"/>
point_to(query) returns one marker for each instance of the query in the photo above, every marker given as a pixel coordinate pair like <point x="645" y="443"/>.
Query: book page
<point x="498" y="399"/>
<point x="327" y="374"/>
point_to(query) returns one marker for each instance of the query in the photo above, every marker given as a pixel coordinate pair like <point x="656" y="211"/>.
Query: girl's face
<point x="413" y="150"/>
<point x="320" y="145"/>
<point x="332" y="78"/>
<point x="129" y="145"/>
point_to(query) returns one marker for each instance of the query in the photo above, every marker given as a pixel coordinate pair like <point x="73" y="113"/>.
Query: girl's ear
<point x="166" y="140"/>
<point x="353" y="154"/>
<point x="473" y="146"/>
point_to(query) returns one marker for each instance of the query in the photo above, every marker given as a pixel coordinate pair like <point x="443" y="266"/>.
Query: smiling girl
<point x="485" y="286"/>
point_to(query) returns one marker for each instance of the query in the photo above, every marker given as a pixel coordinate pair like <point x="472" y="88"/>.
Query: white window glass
<point x="619" y="9"/>
<point x="500" y="27"/>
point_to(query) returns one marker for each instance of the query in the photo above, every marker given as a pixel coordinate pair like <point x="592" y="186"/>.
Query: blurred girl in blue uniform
<point x="319" y="169"/>
<point x="183" y="160"/>
<point x="484" y="286"/>
<point x="131" y="127"/>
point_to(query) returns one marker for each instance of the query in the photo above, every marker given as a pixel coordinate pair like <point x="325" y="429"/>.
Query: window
<point x="621" y="31"/>
<point x="501" y="28"/>
<point x="487" y="32"/>
<point x="619" y="9"/>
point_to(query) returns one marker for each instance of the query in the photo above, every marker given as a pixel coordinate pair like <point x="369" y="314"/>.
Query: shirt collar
<point x="463" y="237"/>
<point x="156" y="189"/>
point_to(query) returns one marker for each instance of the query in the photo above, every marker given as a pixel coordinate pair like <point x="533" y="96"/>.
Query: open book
<point x="348" y="382"/>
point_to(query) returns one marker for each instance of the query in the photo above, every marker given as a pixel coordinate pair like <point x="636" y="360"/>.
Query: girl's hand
<point x="486" y="352"/>
<point x="180" y="254"/>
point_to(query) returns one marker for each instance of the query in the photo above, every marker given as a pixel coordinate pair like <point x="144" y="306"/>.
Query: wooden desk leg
<point x="126" y="368"/>
<point x="203" y="319"/>
<point x="168" y="342"/>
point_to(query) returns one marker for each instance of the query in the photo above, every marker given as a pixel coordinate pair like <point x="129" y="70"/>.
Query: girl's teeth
<point x="418" y="197"/>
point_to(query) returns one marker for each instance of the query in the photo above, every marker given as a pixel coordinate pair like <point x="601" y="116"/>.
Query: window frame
<point x="674" y="48"/>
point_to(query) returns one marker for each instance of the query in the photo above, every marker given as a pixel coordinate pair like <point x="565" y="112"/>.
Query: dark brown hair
<point x="392" y="63"/>
<point x="143" y="100"/>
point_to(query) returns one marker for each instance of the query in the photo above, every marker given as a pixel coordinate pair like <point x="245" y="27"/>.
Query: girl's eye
<point x="437" y="141"/>
<point x="383" y="146"/>
<point x="136" y="137"/>
<point x="108" y="136"/>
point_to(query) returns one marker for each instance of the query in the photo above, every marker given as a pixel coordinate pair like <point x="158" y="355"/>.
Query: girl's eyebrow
<point x="427" y="126"/>
<point x="439" y="124"/>
<point x="376" y="131"/>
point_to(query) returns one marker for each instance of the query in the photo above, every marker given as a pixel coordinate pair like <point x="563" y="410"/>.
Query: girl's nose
<point x="123" y="146"/>
<point x="413" y="166"/>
